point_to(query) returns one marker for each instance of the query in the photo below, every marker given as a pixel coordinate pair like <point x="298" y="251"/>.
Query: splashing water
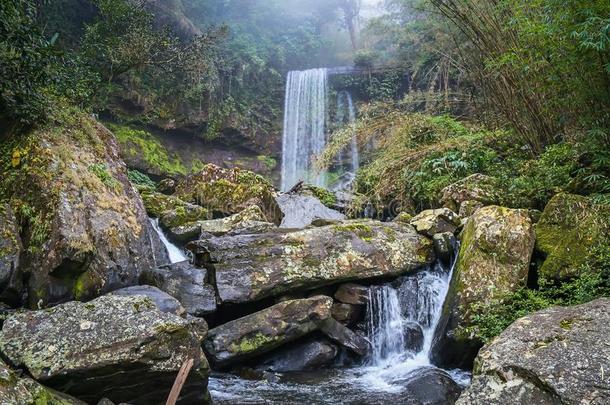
<point x="304" y="136"/>
<point x="412" y="303"/>
<point x="176" y="255"/>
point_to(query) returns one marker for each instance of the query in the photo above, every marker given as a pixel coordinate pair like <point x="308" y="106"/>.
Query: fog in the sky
<point x="371" y="8"/>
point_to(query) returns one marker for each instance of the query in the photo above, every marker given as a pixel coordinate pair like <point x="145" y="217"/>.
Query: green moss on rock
<point x="569" y="228"/>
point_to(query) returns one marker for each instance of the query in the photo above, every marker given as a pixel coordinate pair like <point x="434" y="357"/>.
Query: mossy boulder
<point x="115" y="347"/>
<point x="251" y="220"/>
<point x="252" y="267"/>
<point x="568" y="229"/>
<point x="477" y="187"/>
<point x="229" y="191"/>
<point x="554" y="356"/>
<point x="171" y="210"/>
<point x="83" y="225"/>
<point x="431" y="222"/>
<point x="494" y="259"/>
<point x="11" y="286"/>
<point x="326" y="197"/>
<point x="266" y="330"/>
<point x="303" y="210"/>
<point x="23" y="390"/>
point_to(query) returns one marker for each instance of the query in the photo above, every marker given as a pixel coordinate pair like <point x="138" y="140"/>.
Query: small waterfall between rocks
<point x="402" y="318"/>
<point x="176" y="255"/>
<point x="304" y="135"/>
<point x="346" y="115"/>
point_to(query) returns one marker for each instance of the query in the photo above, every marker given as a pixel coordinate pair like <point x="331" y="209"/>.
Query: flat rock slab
<point x="163" y="301"/>
<point x="306" y="355"/>
<point x="115" y="347"/>
<point x="251" y="267"/>
<point x="345" y="336"/>
<point x="554" y="356"/>
<point x="266" y="330"/>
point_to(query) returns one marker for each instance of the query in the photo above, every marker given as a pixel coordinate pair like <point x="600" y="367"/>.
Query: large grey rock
<point x="23" y="390"/>
<point x="307" y="355"/>
<point x="11" y="286"/>
<point x="345" y="336"/>
<point x="494" y="260"/>
<point x="251" y="267"/>
<point x="266" y="330"/>
<point x="187" y="284"/>
<point x="431" y="222"/>
<point x="120" y="348"/>
<point x="444" y="246"/>
<point x="431" y="386"/>
<point x="163" y="301"/>
<point x="555" y="356"/>
<point x="86" y="228"/>
<point x="302" y="210"/>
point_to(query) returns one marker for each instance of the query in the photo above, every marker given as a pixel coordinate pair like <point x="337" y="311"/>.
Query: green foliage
<point x="101" y="171"/>
<point x="594" y="282"/>
<point x="140" y="144"/>
<point x="140" y="179"/>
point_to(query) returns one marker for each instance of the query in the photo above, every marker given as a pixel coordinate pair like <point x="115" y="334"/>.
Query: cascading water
<point x="175" y="254"/>
<point x="304" y="134"/>
<point x="402" y="318"/>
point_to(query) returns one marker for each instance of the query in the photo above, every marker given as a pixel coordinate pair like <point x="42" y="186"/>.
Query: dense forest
<point x="389" y="199"/>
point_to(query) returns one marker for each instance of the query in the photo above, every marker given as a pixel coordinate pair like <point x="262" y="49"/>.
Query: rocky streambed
<point x="282" y="299"/>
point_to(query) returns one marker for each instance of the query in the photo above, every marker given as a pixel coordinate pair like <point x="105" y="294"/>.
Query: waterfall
<point x="402" y="318"/>
<point x="346" y="115"/>
<point x="304" y="133"/>
<point x="175" y="254"/>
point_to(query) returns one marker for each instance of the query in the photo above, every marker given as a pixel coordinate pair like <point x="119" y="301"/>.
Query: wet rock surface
<point x="251" y="267"/>
<point x="347" y="314"/>
<point x="120" y="348"/>
<point x="552" y="356"/>
<point x="302" y="210"/>
<point x="345" y="336"/>
<point x="351" y="293"/>
<point x="266" y="330"/>
<point x="187" y="284"/>
<point x="301" y="356"/>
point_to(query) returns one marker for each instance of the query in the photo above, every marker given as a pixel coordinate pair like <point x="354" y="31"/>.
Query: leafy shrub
<point x="140" y="179"/>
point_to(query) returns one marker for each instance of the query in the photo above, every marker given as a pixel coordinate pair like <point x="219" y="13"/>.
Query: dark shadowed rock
<point x="266" y="330"/>
<point x="345" y="336"/>
<point x="11" y="285"/>
<point x="167" y="186"/>
<point x="354" y="294"/>
<point x="431" y="222"/>
<point x="431" y="386"/>
<point x="121" y="348"/>
<point x="163" y="301"/>
<point x="444" y="244"/>
<point x="347" y="314"/>
<point x="469" y="207"/>
<point x="84" y="228"/>
<point x="302" y="210"/>
<point x="554" y="356"/>
<point x="307" y="355"/>
<point x="187" y="284"/>
<point x="251" y="267"/>
<point x="414" y="336"/>
<point x="23" y="390"/>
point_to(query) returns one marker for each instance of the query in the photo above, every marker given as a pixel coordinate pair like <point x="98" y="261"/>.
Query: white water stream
<point x="176" y="255"/>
